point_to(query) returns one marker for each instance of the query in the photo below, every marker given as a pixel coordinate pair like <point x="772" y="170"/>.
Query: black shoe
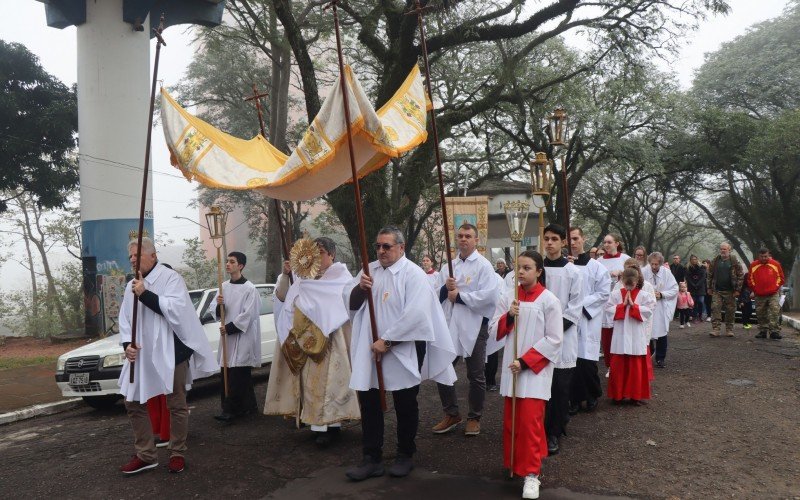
<point x="366" y="469"/>
<point x="224" y="417"/>
<point x="323" y="440"/>
<point x="401" y="467"/>
<point x="660" y="363"/>
<point x="591" y="405"/>
<point x="552" y="445"/>
<point x="775" y="336"/>
<point x="761" y="335"/>
<point x="574" y="409"/>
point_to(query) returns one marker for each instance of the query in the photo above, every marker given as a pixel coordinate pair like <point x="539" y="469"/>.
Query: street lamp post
<point x="557" y="123"/>
<point x="216" y="219"/>
<point x="517" y="218"/>
<point x="541" y="182"/>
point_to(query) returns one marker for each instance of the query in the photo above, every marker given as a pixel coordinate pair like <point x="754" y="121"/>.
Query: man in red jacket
<point x="766" y="279"/>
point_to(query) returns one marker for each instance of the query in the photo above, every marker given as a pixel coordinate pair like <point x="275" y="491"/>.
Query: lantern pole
<point x="159" y="42"/>
<point x="216" y="229"/>
<point x="517" y="218"/>
<point x="333" y="5"/>
<point x="559" y="126"/>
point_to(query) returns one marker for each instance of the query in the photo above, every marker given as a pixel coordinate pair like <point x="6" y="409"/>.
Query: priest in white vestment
<point x="310" y="374"/>
<point x="171" y="350"/>
<point x="413" y="345"/>
<point x="666" y="292"/>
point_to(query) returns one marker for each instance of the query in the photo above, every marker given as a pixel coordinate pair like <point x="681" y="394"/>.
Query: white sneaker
<point x="689" y="324"/>
<point x="708" y="319"/>
<point x="607" y="372"/>
<point x="531" y="487"/>
<point x="682" y="326"/>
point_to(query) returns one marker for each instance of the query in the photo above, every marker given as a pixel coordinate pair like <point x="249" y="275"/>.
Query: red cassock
<point x="159" y="416"/>
<point x="630" y="373"/>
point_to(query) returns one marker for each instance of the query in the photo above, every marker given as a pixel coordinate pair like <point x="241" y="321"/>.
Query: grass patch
<point x="8" y="363"/>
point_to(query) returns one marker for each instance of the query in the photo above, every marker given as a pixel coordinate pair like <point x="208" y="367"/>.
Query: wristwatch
<point x="387" y="343"/>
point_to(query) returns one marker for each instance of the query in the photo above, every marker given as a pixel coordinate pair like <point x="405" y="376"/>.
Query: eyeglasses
<point x="385" y="246"/>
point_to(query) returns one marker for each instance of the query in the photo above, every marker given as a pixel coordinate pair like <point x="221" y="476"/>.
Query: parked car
<point x="92" y="371"/>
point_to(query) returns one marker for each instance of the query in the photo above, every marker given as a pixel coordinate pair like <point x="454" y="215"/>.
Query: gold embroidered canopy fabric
<point x="321" y="161"/>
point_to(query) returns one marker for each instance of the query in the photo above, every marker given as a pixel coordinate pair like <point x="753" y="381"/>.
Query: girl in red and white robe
<point x="539" y="337"/>
<point x="631" y="307"/>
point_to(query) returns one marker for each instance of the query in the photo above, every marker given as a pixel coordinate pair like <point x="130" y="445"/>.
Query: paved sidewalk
<point x="27" y="386"/>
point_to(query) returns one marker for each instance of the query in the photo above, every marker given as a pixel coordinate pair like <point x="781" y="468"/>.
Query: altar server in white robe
<point x="469" y="301"/>
<point x="242" y="336"/>
<point x="565" y="281"/>
<point x="585" y="385"/>
<point x="666" y="292"/>
<point x="614" y="261"/>
<point x="540" y="334"/>
<point x="171" y="350"/>
<point x="407" y="316"/>
<point x="310" y="374"/>
<point x="429" y="266"/>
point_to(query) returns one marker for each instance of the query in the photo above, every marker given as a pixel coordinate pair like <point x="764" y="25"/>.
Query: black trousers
<point x="585" y="383"/>
<point x="491" y="369"/>
<point x="241" y="393"/>
<point x="556" y="413"/>
<point x="407" y="411"/>
<point x="659" y="346"/>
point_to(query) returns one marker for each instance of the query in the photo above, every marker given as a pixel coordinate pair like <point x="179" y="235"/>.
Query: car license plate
<point x="78" y="378"/>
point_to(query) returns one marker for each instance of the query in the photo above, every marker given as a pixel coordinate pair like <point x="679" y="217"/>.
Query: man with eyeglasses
<point x="468" y="299"/>
<point x="413" y="345"/>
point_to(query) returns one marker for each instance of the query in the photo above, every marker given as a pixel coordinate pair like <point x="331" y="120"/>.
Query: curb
<point x="791" y="322"/>
<point x="40" y="409"/>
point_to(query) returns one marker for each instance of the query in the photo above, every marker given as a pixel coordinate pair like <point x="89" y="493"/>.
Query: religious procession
<point x="519" y="312"/>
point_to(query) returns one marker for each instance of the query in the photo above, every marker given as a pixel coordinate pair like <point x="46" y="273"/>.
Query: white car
<point x="92" y="371"/>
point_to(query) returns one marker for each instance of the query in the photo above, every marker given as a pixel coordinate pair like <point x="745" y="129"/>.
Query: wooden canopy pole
<point x="159" y="42"/>
<point x="284" y="238"/>
<point x="420" y="11"/>
<point x="357" y="195"/>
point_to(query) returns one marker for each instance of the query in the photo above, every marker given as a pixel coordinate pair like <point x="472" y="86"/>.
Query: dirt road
<point x="723" y="424"/>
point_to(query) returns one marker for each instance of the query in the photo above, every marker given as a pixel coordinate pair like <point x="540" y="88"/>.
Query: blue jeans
<point x="699" y="306"/>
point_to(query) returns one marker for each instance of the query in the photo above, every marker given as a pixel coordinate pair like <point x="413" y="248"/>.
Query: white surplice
<point x="477" y="288"/>
<point x="630" y="335"/>
<point x="596" y="289"/>
<point x="155" y="362"/>
<point x="566" y="283"/>
<point x="492" y="344"/>
<point x="540" y="326"/>
<point x="663" y="282"/>
<point x="242" y="308"/>
<point x="406" y="310"/>
<point x="614" y="264"/>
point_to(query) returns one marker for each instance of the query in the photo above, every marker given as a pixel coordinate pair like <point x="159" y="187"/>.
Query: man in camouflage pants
<point x="724" y="281"/>
<point x="766" y="279"/>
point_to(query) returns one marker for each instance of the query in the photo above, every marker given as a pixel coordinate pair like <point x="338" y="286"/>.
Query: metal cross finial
<point x="160" y="29"/>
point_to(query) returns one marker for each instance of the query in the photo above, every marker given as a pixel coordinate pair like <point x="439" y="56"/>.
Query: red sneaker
<point x="176" y="464"/>
<point x="137" y="465"/>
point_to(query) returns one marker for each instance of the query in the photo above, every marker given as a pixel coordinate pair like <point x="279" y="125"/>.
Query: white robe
<point x="242" y="308"/>
<point x="566" y="283"/>
<point x="608" y="319"/>
<point x="477" y="287"/>
<point x="540" y="327"/>
<point x="433" y="279"/>
<point x="630" y="335"/>
<point x="318" y="300"/>
<point x="406" y="310"/>
<point x="155" y="363"/>
<point x="663" y="282"/>
<point x="492" y="344"/>
<point x="614" y="264"/>
<point x="596" y="289"/>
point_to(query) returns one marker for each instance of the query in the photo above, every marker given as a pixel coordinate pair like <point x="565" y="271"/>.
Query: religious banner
<point x="320" y="162"/>
<point x="469" y="209"/>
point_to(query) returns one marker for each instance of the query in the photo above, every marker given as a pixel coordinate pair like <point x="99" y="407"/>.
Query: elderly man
<point x="171" y="349"/>
<point x="725" y="276"/>
<point x="766" y="278"/>
<point x="469" y="300"/>
<point x="413" y="345"/>
<point x="666" y="292"/>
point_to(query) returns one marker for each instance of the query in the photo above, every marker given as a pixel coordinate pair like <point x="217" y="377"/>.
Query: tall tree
<point x="38" y="123"/>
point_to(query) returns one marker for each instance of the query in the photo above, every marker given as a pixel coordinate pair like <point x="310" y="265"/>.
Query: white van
<point x="92" y="371"/>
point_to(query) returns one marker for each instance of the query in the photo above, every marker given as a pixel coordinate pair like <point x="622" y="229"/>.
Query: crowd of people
<point x="345" y="341"/>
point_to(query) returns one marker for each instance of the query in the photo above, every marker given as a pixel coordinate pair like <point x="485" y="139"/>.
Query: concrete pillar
<point x="113" y="105"/>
